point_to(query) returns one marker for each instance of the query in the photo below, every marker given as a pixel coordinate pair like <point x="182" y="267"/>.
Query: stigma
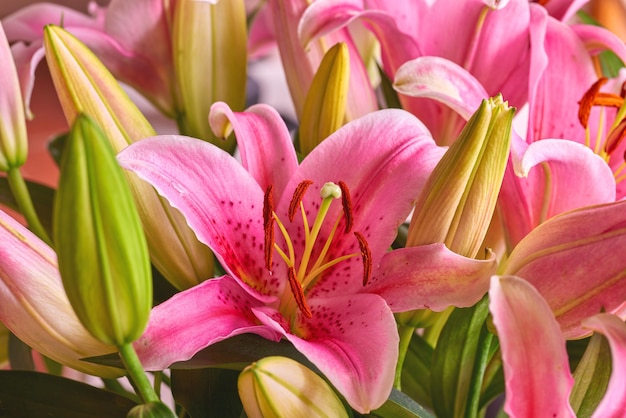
<point x="307" y="264"/>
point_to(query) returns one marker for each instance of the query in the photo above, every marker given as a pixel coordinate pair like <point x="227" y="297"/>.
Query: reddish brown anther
<point x="268" y="225"/>
<point x="366" y="257"/>
<point x="594" y="97"/>
<point x="346" y="202"/>
<point x="298" y="194"/>
<point x="298" y="293"/>
<point x="615" y="137"/>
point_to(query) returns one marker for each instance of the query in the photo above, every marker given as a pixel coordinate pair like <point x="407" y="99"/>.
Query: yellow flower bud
<point x="325" y="104"/>
<point x="459" y="198"/>
<point x="84" y="85"/>
<point x="210" y="57"/>
<point x="102" y="252"/>
<point x="282" y="387"/>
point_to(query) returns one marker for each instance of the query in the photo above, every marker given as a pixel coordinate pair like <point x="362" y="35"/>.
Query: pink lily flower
<point x="298" y="265"/>
<point x="544" y="178"/>
<point x="461" y="33"/>
<point x="538" y="380"/>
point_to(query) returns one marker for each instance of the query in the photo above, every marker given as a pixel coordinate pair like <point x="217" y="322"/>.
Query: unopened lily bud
<point x="459" y="198"/>
<point x="102" y="251"/>
<point x="282" y="387"/>
<point x="210" y="51"/>
<point x="13" y="139"/>
<point x="325" y="104"/>
<point x="84" y="85"/>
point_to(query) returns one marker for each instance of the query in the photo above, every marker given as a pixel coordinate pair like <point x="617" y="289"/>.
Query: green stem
<point x="406" y="333"/>
<point x="25" y="204"/>
<point x="137" y="374"/>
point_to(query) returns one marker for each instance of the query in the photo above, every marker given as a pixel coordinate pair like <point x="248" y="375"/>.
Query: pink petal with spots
<point x="267" y="151"/>
<point x="353" y="341"/>
<point x="222" y="203"/>
<point x="431" y="277"/>
<point x="191" y="320"/>
<point x="613" y="403"/>
<point x="536" y="369"/>
<point x="385" y="154"/>
<point x="576" y="262"/>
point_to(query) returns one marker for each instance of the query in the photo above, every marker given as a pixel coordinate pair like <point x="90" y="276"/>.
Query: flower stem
<point x="406" y="333"/>
<point x="25" y="204"/>
<point x="137" y="374"/>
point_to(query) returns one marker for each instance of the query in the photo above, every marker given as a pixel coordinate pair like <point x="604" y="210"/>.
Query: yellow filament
<point x="291" y="260"/>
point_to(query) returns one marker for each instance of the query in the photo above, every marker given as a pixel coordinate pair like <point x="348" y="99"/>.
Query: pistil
<point x="303" y="273"/>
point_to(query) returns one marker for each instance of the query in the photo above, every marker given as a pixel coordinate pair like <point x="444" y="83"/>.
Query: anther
<point x="298" y="194"/>
<point x="366" y="257"/>
<point x="594" y="97"/>
<point x="298" y="293"/>
<point x="615" y="137"/>
<point x="268" y="225"/>
<point x="586" y="102"/>
<point x="346" y="202"/>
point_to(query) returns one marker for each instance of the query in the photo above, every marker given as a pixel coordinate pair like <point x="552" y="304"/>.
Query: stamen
<point x="615" y="137"/>
<point x="268" y="225"/>
<point x="298" y="293"/>
<point x="346" y="202"/>
<point x="366" y="256"/>
<point x="594" y="97"/>
<point x="298" y="194"/>
<point x="586" y="102"/>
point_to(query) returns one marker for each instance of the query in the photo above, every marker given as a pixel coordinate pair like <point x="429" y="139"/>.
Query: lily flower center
<point x="605" y="144"/>
<point x="305" y="267"/>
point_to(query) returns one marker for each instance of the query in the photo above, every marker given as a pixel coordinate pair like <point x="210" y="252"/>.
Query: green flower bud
<point x="459" y="198"/>
<point x="101" y="248"/>
<point x="211" y="56"/>
<point x="282" y="387"/>
<point x="325" y="104"/>
<point x="85" y="86"/>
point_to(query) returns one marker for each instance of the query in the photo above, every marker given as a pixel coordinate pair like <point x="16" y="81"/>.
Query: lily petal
<point x="538" y="381"/>
<point x="575" y="260"/>
<point x="613" y="403"/>
<point x="552" y="177"/>
<point x="179" y="172"/>
<point x="265" y="145"/>
<point x="431" y="277"/>
<point x="343" y="350"/>
<point x="442" y="80"/>
<point x="561" y="72"/>
<point x="193" y="319"/>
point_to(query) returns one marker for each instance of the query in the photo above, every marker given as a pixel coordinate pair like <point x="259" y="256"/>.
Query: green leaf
<point x="389" y="95"/>
<point x="591" y="377"/>
<point x="416" y="371"/>
<point x="33" y="394"/>
<point x="459" y="361"/>
<point x="399" y="405"/>
<point x="207" y="393"/>
<point x="42" y="196"/>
